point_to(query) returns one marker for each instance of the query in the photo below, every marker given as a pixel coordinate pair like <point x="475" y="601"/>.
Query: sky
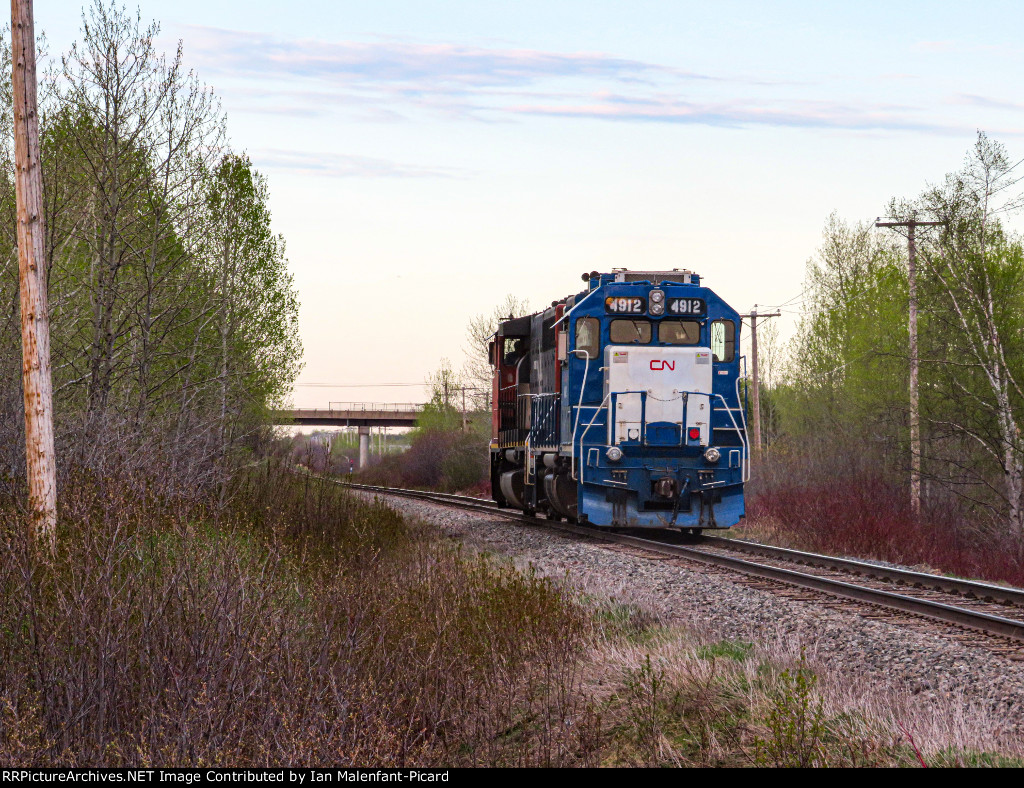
<point x="427" y="158"/>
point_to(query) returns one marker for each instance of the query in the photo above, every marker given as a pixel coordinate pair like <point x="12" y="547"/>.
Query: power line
<point x="358" y="385"/>
<point x="790" y="301"/>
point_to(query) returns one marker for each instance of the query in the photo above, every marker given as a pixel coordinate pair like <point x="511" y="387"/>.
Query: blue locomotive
<point x="620" y="406"/>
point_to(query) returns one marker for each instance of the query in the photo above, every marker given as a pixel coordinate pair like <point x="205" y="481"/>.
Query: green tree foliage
<point x="174" y="318"/>
<point x="256" y="305"/>
<point x="843" y="400"/>
<point x="848" y="360"/>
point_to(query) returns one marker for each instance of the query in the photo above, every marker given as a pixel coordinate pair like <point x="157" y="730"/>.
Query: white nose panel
<point x="667" y="375"/>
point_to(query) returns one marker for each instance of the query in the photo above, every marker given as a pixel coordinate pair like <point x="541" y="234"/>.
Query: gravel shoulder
<point x="953" y="691"/>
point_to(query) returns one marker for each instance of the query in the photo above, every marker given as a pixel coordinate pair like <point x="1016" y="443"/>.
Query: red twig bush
<point x="871" y="518"/>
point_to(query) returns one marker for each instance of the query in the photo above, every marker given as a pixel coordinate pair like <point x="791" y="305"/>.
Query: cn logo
<point x="658" y="364"/>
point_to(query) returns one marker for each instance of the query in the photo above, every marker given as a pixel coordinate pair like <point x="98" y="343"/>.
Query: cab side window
<point x="588" y="336"/>
<point x="512" y="351"/>
<point x="723" y="340"/>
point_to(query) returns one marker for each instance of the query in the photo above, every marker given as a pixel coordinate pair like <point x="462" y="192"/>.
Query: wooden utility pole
<point x="755" y="380"/>
<point x="915" y="419"/>
<point x="35" y="321"/>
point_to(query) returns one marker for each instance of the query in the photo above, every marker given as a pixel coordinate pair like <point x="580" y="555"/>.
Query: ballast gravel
<point x="915" y="660"/>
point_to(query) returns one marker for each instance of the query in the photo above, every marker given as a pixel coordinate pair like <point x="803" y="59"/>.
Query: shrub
<point x="297" y="625"/>
<point x="871" y="518"/>
<point x="438" y="459"/>
<point x="795" y="722"/>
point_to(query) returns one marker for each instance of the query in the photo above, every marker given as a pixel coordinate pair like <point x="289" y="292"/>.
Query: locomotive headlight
<point x="712" y="455"/>
<point x="614" y="454"/>
<point x="657" y="309"/>
<point x="657" y="296"/>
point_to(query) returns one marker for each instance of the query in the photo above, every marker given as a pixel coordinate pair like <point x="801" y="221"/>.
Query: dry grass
<point x="672" y="696"/>
<point x="304" y="626"/>
<point x="300" y="627"/>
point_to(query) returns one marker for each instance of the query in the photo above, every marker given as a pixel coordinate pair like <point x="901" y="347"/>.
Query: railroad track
<point x="970" y="605"/>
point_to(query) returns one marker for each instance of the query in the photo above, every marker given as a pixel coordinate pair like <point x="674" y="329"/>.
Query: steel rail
<point x="972" y="589"/>
<point x="971" y="619"/>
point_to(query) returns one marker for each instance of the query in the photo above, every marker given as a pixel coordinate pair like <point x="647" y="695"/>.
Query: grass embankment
<point x="304" y="626"/>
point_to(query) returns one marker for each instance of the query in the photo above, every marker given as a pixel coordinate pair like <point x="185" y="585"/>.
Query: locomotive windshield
<point x="679" y="332"/>
<point x="630" y="331"/>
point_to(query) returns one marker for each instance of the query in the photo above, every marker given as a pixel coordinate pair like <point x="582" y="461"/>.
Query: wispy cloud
<point x="738" y="114"/>
<point x="337" y="165"/>
<point x="940" y="47"/>
<point x="392" y="61"/>
<point x="391" y="80"/>
<point x="987" y="102"/>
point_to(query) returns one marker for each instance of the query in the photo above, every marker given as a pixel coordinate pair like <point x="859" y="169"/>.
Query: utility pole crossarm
<point x="909" y="223"/>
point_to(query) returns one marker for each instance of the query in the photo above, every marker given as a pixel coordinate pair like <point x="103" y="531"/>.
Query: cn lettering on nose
<point x="659" y="364"/>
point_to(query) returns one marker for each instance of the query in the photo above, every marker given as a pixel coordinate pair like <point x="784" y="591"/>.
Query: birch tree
<point x="979" y="271"/>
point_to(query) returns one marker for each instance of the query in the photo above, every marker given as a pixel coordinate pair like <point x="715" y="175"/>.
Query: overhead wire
<point x="358" y="385"/>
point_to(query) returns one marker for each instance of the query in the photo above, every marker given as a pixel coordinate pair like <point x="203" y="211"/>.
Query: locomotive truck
<point x="620" y="406"/>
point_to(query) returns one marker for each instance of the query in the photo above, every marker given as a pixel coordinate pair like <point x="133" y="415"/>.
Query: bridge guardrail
<point x="375" y="407"/>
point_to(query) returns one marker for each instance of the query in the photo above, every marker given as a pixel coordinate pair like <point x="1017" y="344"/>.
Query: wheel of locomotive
<point x="561" y="494"/>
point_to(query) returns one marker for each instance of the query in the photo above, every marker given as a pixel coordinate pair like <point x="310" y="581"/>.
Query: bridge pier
<point x="364" y="447"/>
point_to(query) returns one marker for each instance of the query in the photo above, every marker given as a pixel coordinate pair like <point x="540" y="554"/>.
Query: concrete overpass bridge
<point x="361" y="415"/>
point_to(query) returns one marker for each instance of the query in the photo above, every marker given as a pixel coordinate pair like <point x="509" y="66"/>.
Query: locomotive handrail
<point x="643" y="416"/>
<point x="572" y="455"/>
<point x="543" y="415"/>
<point x="579" y="405"/>
<point x="744" y="465"/>
<point x="577" y="305"/>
